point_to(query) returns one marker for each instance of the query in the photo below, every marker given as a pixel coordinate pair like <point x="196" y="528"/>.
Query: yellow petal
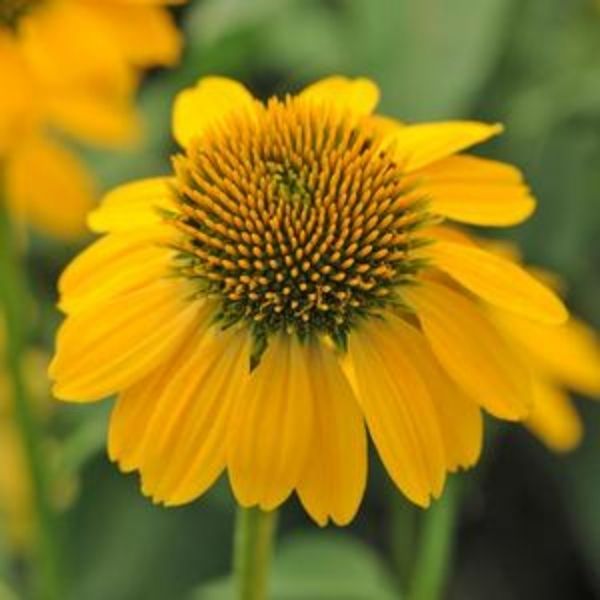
<point x="114" y="265"/>
<point x="384" y="126"/>
<point x="132" y="25"/>
<point x="134" y="436"/>
<point x="173" y="426"/>
<point x="18" y="105"/>
<point x="477" y="191"/>
<point x="67" y="48"/>
<point x="568" y="353"/>
<point x="270" y="432"/>
<point x="471" y="350"/>
<point x="355" y="96"/>
<point x="48" y="187"/>
<point x="333" y="480"/>
<point x="202" y="453"/>
<point x="398" y="409"/>
<point x="206" y="105"/>
<point x="110" y="346"/>
<point x="416" y="146"/>
<point x="498" y="281"/>
<point x="447" y="233"/>
<point x="93" y="119"/>
<point x="460" y="418"/>
<point x="554" y="419"/>
<point x="133" y="205"/>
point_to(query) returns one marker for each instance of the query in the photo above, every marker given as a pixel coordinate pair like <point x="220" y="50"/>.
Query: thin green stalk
<point x="404" y="517"/>
<point x="434" y="550"/>
<point x="253" y="544"/>
<point x="14" y="299"/>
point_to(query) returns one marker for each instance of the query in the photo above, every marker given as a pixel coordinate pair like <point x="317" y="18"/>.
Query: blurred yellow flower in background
<point x="291" y="283"/>
<point x="70" y="67"/>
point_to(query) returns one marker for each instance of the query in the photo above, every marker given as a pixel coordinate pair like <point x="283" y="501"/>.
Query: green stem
<point x="404" y="517"/>
<point x="254" y="532"/>
<point x="14" y="299"/>
<point x="434" y="551"/>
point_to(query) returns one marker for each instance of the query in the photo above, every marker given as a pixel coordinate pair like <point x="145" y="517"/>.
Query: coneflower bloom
<point x="289" y="287"/>
<point x="72" y="67"/>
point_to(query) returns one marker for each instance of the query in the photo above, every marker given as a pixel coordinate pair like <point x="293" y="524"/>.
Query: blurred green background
<point x="529" y="521"/>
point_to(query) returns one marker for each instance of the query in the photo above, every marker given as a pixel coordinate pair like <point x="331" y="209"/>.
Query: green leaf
<point x="433" y="56"/>
<point x="122" y="547"/>
<point x="323" y="565"/>
<point x="221" y="589"/>
<point x="329" y="565"/>
<point x="213" y="20"/>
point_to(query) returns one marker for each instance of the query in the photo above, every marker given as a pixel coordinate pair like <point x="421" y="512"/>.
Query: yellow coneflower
<point x="70" y="66"/>
<point x="290" y="286"/>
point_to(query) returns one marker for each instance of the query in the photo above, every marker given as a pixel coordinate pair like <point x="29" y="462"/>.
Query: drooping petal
<point x="48" y="187"/>
<point x="271" y="425"/>
<point x="179" y="441"/>
<point x="205" y="105"/>
<point x="114" y="265"/>
<point x="476" y="191"/>
<point x="110" y="346"/>
<point x="400" y="414"/>
<point x="460" y="417"/>
<point x="133" y="205"/>
<point x="471" y="350"/>
<point x="568" y="353"/>
<point x="200" y="463"/>
<point x="139" y="429"/>
<point x="333" y="480"/>
<point x="554" y="418"/>
<point x="416" y="146"/>
<point x="355" y="96"/>
<point x="498" y="281"/>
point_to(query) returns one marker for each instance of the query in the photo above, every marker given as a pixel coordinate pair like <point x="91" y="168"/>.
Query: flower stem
<point x="14" y="300"/>
<point x="254" y="532"/>
<point x="434" y="550"/>
<point x="404" y="520"/>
